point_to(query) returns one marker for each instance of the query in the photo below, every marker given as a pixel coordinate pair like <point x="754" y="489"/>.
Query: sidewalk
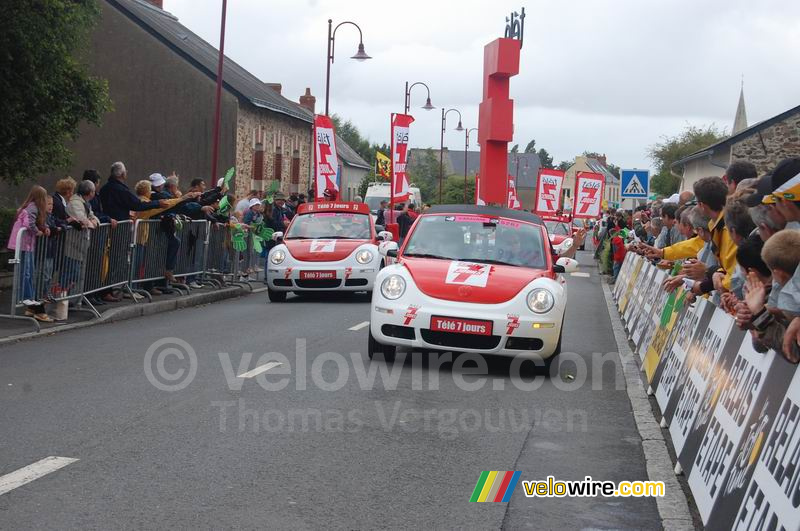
<point x="15" y="329"/>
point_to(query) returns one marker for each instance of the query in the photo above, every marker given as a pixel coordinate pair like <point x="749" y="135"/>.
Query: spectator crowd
<point x="61" y="231"/>
<point x="733" y="239"/>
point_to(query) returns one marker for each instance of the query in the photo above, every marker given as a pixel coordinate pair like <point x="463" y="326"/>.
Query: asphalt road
<point x="330" y="449"/>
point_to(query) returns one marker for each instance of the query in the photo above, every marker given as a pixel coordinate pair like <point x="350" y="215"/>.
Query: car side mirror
<point x="567" y="265"/>
<point x="386" y="248"/>
<point x="385" y="236"/>
<point x="277" y="236"/>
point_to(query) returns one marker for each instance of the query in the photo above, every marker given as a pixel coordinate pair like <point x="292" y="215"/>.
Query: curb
<point x="673" y="508"/>
<point x="138" y="310"/>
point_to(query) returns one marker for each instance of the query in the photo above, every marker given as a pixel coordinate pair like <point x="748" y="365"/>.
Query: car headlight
<point x="393" y="287"/>
<point x="541" y="300"/>
<point x="277" y="257"/>
<point x="364" y="256"/>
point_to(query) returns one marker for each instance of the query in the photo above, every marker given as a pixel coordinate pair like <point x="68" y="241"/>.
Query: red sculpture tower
<point x="496" y="118"/>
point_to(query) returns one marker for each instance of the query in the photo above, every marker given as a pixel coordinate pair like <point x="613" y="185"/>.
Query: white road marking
<point x="258" y="370"/>
<point x="32" y="472"/>
<point x="580" y="274"/>
<point x="359" y="326"/>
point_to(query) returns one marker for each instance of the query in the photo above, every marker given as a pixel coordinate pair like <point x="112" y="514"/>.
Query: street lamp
<point x="459" y="127"/>
<point x="466" y="149"/>
<point x="360" y="55"/>
<point x="218" y="101"/>
<point x="407" y="101"/>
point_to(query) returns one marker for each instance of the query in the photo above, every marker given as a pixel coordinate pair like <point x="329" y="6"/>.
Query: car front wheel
<point x="379" y="350"/>
<point x="276" y="296"/>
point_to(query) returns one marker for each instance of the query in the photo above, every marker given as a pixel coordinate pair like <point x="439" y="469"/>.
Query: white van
<point x="378" y="191"/>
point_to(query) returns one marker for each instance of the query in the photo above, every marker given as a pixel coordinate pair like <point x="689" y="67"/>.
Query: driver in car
<point x="510" y="250"/>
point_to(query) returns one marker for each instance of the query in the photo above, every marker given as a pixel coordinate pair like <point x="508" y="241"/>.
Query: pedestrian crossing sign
<point x="635" y="184"/>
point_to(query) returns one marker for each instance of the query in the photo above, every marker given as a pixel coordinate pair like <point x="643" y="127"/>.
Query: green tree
<point x="672" y="149"/>
<point x="423" y="170"/>
<point x="46" y="88"/>
<point x="453" y="192"/>
<point x="531" y="147"/>
<point x="565" y="164"/>
<point x="515" y="149"/>
<point x="545" y="158"/>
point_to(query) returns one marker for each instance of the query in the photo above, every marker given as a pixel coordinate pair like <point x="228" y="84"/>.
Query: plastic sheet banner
<point x="548" y="191"/>
<point x="654" y="300"/>
<point x="588" y="195"/>
<point x="400" y="128"/>
<point x="326" y="163"/>
<point x="733" y="413"/>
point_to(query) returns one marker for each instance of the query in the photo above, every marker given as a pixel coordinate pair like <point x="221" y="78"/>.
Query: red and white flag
<point x="326" y="163"/>
<point x="400" y="184"/>
<point x="588" y="195"/>
<point x="513" y="200"/>
<point x="548" y="191"/>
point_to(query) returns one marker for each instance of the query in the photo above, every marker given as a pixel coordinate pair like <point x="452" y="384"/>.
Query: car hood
<point x="469" y="281"/>
<point x="322" y="250"/>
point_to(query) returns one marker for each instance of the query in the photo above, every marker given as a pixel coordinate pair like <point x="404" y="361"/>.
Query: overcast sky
<point x="611" y="76"/>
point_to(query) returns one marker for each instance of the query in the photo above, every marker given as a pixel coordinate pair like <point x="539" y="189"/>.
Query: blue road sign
<point x="635" y="184"/>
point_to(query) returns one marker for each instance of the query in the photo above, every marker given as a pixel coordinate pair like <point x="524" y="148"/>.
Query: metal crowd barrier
<point x="75" y="263"/>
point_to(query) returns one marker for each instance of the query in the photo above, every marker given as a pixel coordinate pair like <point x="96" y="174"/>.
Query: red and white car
<point x="473" y="279"/>
<point x="327" y="246"/>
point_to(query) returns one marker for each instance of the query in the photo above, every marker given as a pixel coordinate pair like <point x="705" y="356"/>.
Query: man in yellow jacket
<point x="711" y="194"/>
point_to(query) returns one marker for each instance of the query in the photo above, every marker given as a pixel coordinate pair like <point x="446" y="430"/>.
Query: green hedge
<point x="6" y="222"/>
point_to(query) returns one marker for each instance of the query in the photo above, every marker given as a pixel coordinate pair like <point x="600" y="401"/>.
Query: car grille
<point x="524" y="343"/>
<point x="326" y="283"/>
<point x="282" y="282"/>
<point x="356" y="282"/>
<point x="456" y="340"/>
<point x="401" y="332"/>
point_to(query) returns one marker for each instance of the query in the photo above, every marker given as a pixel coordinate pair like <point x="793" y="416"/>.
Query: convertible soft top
<point x="519" y="215"/>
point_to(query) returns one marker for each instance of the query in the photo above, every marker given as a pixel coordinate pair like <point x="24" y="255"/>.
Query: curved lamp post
<point x="407" y="102"/>
<point x="459" y="127"/>
<point x="466" y="149"/>
<point x="360" y="55"/>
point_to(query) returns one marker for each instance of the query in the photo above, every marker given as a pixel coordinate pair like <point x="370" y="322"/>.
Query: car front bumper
<point x="346" y="277"/>
<point x="514" y="333"/>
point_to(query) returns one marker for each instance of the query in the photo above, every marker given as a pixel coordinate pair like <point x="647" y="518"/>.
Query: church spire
<point x="740" y="122"/>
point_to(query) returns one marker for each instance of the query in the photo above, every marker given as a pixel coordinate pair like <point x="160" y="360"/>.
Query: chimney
<point x="158" y="3"/>
<point x="308" y="101"/>
<point x="274" y="86"/>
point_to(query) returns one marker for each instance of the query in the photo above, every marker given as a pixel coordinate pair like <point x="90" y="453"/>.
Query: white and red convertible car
<point x="327" y="246"/>
<point x="472" y="279"/>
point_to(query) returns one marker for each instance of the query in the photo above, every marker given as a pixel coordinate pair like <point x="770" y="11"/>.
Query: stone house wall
<point x="277" y="134"/>
<point x="768" y="146"/>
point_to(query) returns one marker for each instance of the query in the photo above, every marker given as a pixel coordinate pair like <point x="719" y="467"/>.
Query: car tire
<point x="276" y="296"/>
<point x="548" y="363"/>
<point x="379" y="350"/>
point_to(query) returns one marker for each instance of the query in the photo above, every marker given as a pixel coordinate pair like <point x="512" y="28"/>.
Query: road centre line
<point x="258" y="370"/>
<point x="32" y="472"/>
<point x="359" y="326"/>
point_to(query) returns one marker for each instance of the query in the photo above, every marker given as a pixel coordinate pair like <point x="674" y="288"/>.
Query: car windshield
<point x="340" y="225"/>
<point x="557" y="228"/>
<point x="374" y="201"/>
<point x="477" y="238"/>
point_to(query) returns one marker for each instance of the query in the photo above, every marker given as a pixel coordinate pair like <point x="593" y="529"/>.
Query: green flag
<point x="226" y="183"/>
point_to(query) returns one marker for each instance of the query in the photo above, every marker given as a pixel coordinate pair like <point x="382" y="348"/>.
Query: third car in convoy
<point x="475" y="279"/>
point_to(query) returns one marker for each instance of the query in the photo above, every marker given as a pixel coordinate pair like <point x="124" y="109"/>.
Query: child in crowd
<point x="31" y="216"/>
<point x="618" y="251"/>
<point x="760" y="314"/>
